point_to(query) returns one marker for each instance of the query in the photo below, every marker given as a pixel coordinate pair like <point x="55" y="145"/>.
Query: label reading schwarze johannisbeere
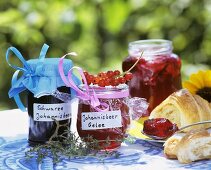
<point x="48" y="112"/>
<point x="101" y="120"/>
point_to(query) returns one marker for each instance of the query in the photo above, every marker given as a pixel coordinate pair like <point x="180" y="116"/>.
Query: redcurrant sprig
<point x="110" y="78"/>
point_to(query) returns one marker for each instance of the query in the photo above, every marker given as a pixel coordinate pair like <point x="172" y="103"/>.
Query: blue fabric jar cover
<point x="39" y="76"/>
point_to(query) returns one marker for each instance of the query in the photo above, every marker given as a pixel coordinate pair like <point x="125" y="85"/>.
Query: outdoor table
<point x="139" y="155"/>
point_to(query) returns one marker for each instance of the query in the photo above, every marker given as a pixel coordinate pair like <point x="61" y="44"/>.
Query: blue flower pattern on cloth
<point x="138" y="155"/>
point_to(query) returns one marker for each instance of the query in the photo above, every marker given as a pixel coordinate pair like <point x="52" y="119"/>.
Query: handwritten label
<point x="48" y="112"/>
<point x="101" y="120"/>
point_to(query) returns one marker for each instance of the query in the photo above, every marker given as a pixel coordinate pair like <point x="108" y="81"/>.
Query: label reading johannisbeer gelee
<point x="101" y="120"/>
<point x="48" y="112"/>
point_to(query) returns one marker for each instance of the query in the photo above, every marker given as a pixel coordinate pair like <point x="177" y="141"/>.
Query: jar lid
<point x="39" y="76"/>
<point x="45" y="75"/>
<point x="48" y="67"/>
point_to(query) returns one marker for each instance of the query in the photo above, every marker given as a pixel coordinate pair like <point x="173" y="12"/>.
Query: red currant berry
<point x="107" y="82"/>
<point x="128" y="76"/>
<point x="101" y="83"/>
<point x="96" y="80"/>
<point x="116" y="73"/>
<point x="114" y="82"/>
<point x="102" y="75"/>
<point x="90" y="79"/>
<point x="110" y="74"/>
<point x="85" y="73"/>
<point x="121" y="80"/>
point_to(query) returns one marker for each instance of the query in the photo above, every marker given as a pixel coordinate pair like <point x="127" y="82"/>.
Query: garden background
<point x="100" y="30"/>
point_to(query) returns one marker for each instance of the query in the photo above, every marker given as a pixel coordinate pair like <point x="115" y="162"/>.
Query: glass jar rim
<point x="99" y="89"/>
<point x="150" y="46"/>
<point x="107" y="92"/>
<point x="151" y="41"/>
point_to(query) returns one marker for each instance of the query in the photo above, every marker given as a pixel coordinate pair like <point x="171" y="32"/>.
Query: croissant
<point x="193" y="146"/>
<point x="183" y="108"/>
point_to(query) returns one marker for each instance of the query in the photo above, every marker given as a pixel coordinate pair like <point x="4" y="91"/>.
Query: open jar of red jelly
<point x="108" y="123"/>
<point x="157" y="73"/>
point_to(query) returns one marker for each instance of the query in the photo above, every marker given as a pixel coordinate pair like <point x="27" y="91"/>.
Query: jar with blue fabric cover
<point x="41" y="80"/>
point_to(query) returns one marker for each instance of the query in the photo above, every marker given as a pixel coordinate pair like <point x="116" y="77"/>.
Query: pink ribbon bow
<point x="84" y="95"/>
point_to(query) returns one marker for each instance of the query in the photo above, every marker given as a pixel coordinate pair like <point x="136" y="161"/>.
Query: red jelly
<point x="159" y="127"/>
<point x="107" y="127"/>
<point x="157" y="74"/>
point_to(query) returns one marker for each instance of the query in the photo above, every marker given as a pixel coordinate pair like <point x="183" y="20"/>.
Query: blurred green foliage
<point x="100" y="30"/>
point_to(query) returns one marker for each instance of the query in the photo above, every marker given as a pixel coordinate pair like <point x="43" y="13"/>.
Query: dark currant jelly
<point x="41" y="79"/>
<point x="42" y="111"/>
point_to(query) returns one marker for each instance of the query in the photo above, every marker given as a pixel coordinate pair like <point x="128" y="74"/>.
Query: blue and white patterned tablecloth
<point x="141" y="155"/>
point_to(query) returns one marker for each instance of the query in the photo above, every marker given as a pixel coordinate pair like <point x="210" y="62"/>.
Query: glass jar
<point x="157" y="74"/>
<point x="46" y="108"/>
<point x="107" y="127"/>
<point x="42" y="111"/>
